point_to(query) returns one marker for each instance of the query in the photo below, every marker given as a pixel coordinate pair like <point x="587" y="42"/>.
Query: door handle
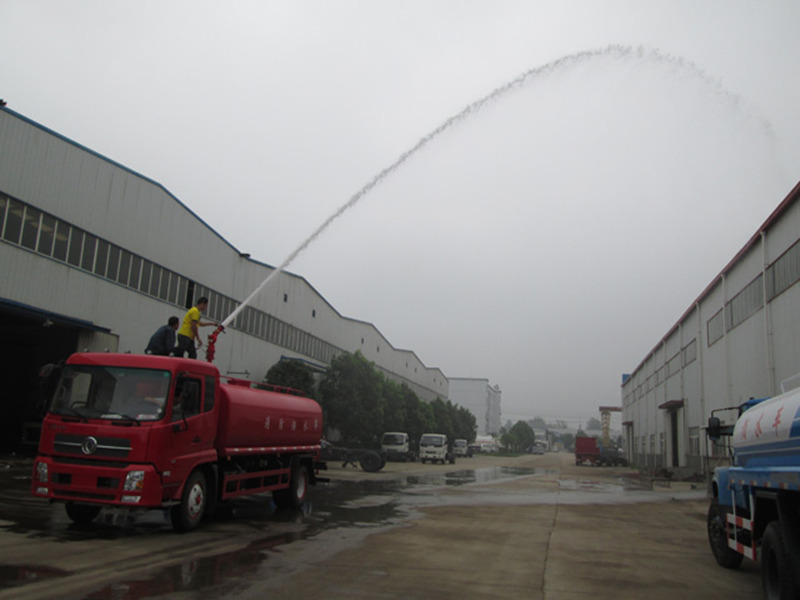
<point x="196" y="439"/>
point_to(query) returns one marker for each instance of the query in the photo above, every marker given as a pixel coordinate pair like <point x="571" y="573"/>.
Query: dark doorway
<point x="29" y="341"/>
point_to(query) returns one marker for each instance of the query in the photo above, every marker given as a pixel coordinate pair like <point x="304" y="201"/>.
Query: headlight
<point x="41" y="472"/>
<point x="134" y="482"/>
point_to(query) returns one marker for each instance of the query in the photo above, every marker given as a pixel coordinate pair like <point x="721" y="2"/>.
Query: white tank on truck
<point x="755" y="503"/>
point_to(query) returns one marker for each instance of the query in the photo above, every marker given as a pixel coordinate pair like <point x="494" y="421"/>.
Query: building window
<point x="286" y="297"/>
<point x="113" y="261"/>
<point x="746" y="302"/>
<point x="30" y="228"/>
<point x="75" y="247"/>
<point x="89" y="245"/>
<point x="784" y="272"/>
<point x="715" y="328"/>
<point x="61" y="241"/>
<point x="13" y="226"/>
<point x="46" y="235"/>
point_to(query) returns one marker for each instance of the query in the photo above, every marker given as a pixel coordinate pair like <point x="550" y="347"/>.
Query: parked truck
<point x="755" y="502"/>
<point x="396" y="445"/>
<point x="587" y="450"/>
<point x="433" y="447"/>
<point x="152" y="432"/>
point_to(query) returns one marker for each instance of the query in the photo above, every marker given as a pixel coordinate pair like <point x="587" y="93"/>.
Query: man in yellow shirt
<point x="188" y="332"/>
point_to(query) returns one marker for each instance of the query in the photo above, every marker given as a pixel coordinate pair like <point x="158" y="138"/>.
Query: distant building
<point x="481" y="399"/>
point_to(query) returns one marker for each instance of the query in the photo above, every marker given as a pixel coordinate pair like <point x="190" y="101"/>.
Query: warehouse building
<point x="739" y="339"/>
<point x="97" y="257"/>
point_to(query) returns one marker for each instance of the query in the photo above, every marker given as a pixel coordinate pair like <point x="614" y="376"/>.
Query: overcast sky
<point x="547" y="241"/>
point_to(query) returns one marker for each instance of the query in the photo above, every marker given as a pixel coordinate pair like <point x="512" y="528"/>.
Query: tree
<point x="419" y="415"/>
<point x="538" y="423"/>
<point x="593" y="424"/>
<point x="292" y="374"/>
<point x="394" y="412"/>
<point x="518" y="437"/>
<point x="351" y="394"/>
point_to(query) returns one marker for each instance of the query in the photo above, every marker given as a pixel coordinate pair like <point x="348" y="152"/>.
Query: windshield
<point x="460" y="443"/>
<point x="393" y="439"/>
<point x="111" y="393"/>
<point x="432" y="440"/>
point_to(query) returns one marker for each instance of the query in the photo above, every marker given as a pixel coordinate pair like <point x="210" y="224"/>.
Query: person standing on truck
<point x="189" y="333"/>
<point x="162" y="342"/>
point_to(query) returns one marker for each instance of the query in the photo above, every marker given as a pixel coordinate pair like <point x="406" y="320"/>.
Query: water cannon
<point x="212" y="342"/>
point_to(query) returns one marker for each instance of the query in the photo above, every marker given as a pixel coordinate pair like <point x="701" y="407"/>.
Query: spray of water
<point x="567" y="62"/>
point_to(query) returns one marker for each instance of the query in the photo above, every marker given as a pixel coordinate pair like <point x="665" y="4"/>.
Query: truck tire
<point x="777" y="577"/>
<point x="187" y="514"/>
<point x="81" y="514"/>
<point x="371" y="462"/>
<point x="295" y="495"/>
<point x="718" y="538"/>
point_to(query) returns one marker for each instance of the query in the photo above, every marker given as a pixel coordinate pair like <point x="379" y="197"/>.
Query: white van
<point x="395" y="445"/>
<point x="433" y="447"/>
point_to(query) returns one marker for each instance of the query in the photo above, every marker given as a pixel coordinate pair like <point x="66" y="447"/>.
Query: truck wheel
<point x="718" y="538"/>
<point x="186" y="516"/>
<point x="777" y="577"/>
<point x="81" y="514"/>
<point x="295" y="495"/>
<point x="371" y="462"/>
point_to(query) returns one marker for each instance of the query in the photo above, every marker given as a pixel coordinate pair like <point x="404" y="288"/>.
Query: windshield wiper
<point x="73" y="412"/>
<point x="127" y="419"/>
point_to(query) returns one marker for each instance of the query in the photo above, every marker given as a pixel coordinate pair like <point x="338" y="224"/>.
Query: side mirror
<point x="714" y="428"/>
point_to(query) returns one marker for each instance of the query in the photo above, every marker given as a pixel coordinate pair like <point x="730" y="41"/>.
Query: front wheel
<point x="187" y="515"/>
<point x="81" y="514"/>
<point x="718" y="538"/>
<point x="777" y="576"/>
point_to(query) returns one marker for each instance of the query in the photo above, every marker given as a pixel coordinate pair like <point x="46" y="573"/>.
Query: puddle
<point x="15" y="575"/>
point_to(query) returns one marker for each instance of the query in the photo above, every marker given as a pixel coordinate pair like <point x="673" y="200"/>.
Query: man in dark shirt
<point x="163" y="340"/>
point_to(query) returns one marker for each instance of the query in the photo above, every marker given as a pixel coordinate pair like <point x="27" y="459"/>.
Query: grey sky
<point x="547" y="241"/>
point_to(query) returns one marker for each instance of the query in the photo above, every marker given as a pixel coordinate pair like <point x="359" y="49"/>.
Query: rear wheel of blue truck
<point x="718" y="538"/>
<point x="186" y="516"/>
<point x="81" y="514"/>
<point x="777" y="576"/>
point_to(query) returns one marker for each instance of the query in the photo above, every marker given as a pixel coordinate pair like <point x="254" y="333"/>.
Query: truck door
<point x="193" y="428"/>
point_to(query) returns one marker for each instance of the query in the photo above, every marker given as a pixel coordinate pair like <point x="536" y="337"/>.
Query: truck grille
<point x="84" y="445"/>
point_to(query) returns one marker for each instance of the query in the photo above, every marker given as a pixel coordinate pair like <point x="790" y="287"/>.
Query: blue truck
<point x="754" y="511"/>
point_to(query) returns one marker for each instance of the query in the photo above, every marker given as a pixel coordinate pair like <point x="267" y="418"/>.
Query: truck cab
<point x="460" y="448"/>
<point x="396" y="445"/>
<point x="433" y="447"/>
<point x="125" y="431"/>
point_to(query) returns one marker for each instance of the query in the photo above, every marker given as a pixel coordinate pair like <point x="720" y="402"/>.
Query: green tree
<point x="292" y="374"/>
<point x="419" y="415"/>
<point x="518" y="437"/>
<point x="538" y="423"/>
<point x="442" y="418"/>
<point x="351" y="396"/>
<point x="593" y="424"/>
<point x="394" y="413"/>
<point x="465" y="423"/>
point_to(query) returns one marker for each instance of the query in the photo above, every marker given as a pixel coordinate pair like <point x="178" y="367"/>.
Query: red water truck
<point x="152" y="432"/>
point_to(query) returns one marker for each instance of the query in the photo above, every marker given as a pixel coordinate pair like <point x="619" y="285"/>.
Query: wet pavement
<point x="124" y="556"/>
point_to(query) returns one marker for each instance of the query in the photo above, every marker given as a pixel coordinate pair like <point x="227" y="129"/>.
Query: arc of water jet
<point x="616" y="51"/>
